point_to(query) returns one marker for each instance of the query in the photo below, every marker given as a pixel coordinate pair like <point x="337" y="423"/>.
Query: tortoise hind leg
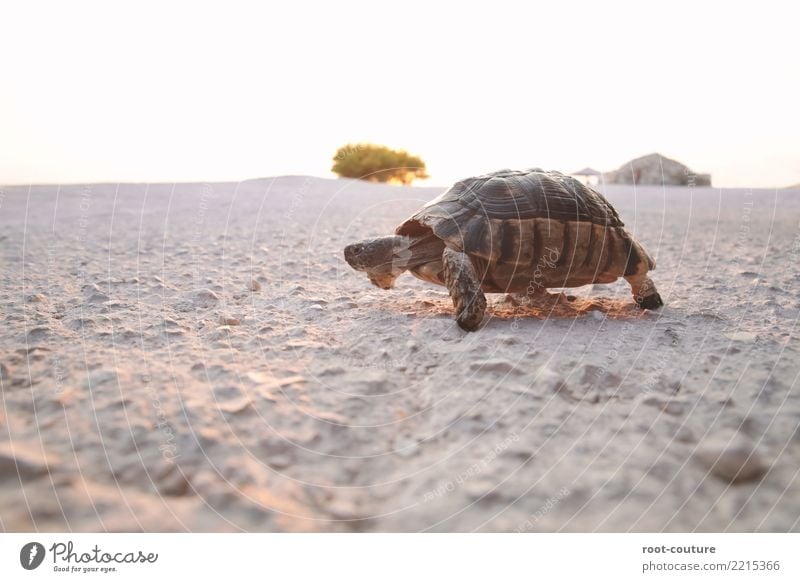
<point x="644" y="292"/>
<point x="465" y="289"/>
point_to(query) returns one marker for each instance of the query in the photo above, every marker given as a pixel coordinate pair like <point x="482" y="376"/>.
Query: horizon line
<point x="337" y="178"/>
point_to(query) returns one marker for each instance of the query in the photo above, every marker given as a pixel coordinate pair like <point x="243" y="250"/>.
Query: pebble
<point x="254" y="285"/>
<point x="22" y="462"/>
<point x="600" y="376"/>
<point x="742" y="336"/>
<point x="36" y="298"/>
<point x="279" y="461"/>
<point x="226" y="320"/>
<point x="236" y="405"/>
<point x="735" y="463"/>
<point x="37" y="334"/>
<point x="205" y="298"/>
<point x="268" y="382"/>
<point x="98" y="297"/>
<point x="343" y="510"/>
<point x="497" y="365"/>
<point x="406" y="447"/>
<point x="173" y="483"/>
<point x="548" y="380"/>
<point x="684" y="434"/>
<point x="104" y="376"/>
<point x="667" y="405"/>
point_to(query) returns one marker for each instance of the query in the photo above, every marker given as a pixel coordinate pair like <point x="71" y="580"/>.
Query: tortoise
<point x="510" y="232"/>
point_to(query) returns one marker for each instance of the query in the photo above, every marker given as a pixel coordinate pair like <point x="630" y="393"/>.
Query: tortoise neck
<point x="411" y="252"/>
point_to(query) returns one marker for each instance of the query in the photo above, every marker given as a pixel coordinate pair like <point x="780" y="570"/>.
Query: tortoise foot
<point x="470" y="315"/>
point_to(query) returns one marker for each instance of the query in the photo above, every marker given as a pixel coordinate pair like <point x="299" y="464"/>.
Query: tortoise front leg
<point x="465" y="289"/>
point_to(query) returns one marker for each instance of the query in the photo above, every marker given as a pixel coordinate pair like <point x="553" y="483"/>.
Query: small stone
<point x="65" y="396"/>
<point x="497" y="365"/>
<point x="36" y="298"/>
<point x="406" y="447"/>
<point x="667" y="405"/>
<point x="547" y="380"/>
<point x="38" y="334"/>
<point x="205" y="298"/>
<point x="102" y="376"/>
<point x="279" y="461"/>
<point x="21" y="462"/>
<point x="742" y="336"/>
<point x="98" y="297"/>
<point x="600" y="376"/>
<point x="735" y="463"/>
<point x="268" y="382"/>
<point x="684" y="434"/>
<point x="344" y="510"/>
<point x="226" y="320"/>
<point x="254" y="285"/>
<point x="173" y="483"/>
<point x="236" y="405"/>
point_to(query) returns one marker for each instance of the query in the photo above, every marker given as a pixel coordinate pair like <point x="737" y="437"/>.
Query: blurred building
<point x="587" y="176"/>
<point x="656" y="169"/>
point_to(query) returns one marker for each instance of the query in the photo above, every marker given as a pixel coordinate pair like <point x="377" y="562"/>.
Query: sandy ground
<point x="199" y="357"/>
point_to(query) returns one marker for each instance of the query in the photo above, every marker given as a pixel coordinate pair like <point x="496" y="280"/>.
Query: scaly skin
<point x="465" y="289"/>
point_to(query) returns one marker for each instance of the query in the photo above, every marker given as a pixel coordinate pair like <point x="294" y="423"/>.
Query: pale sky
<point x="157" y="91"/>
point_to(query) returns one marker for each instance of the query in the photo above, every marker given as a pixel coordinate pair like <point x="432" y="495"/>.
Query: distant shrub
<point x="377" y="163"/>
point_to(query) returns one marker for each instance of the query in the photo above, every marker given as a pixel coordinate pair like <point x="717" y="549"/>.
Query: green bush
<point x="377" y="163"/>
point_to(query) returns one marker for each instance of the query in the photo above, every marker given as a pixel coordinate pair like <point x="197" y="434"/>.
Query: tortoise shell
<point x="516" y="225"/>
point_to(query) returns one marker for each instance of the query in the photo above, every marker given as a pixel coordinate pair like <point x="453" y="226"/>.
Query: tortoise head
<point x="383" y="259"/>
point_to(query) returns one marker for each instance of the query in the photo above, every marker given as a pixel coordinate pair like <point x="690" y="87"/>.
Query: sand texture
<point x="199" y="357"/>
